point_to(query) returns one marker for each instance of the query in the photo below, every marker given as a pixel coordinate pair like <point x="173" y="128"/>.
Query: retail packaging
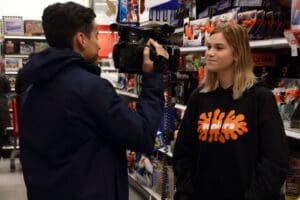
<point x="33" y="27"/>
<point x="295" y="14"/>
<point x="11" y="47"/>
<point x="12" y="80"/>
<point x="40" y="46"/>
<point x="247" y="19"/>
<point x="196" y="32"/>
<point x="132" y="12"/>
<point x="106" y="11"/>
<point x="12" y="64"/>
<point x="293" y="179"/>
<point x="287" y="96"/>
<point x="13" y="25"/>
<point x="26" y="47"/>
<point x="165" y="13"/>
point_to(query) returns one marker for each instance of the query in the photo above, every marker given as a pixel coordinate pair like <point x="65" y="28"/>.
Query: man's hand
<point x="147" y="62"/>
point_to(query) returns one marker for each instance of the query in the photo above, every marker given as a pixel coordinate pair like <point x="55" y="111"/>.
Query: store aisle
<point x="12" y="185"/>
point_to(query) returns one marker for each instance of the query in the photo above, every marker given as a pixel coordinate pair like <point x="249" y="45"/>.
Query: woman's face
<point x="219" y="54"/>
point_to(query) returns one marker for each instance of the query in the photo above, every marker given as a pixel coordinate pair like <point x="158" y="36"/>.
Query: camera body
<point x="128" y="52"/>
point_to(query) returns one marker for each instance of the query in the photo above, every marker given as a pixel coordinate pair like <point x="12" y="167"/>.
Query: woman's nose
<point x="210" y="52"/>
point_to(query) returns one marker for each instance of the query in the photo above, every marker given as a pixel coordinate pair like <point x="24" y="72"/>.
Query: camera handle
<point x="160" y="63"/>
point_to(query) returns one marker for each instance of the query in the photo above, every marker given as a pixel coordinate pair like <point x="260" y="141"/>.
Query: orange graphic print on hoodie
<point x="218" y="127"/>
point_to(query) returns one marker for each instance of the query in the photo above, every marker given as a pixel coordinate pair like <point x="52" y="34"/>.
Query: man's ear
<point x="79" y="40"/>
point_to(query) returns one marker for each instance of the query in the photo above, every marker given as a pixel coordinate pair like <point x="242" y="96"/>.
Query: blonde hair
<point x="244" y="78"/>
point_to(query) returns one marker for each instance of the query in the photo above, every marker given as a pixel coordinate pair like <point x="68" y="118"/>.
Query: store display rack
<point x="127" y="94"/>
<point x="270" y="43"/>
<point x="16" y="55"/>
<point x="180" y="107"/>
<point x="292" y="133"/>
<point x="11" y="72"/>
<point x="108" y="69"/>
<point x="17" y="58"/>
<point x="146" y="191"/>
<point x="23" y="37"/>
<point x="169" y="152"/>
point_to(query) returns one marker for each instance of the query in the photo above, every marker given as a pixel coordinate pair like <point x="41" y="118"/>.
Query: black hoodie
<point x="74" y="129"/>
<point x="231" y="149"/>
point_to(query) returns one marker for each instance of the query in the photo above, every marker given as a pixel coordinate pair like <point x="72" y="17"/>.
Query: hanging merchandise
<point x="258" y="29"/>
<point x="135" y="12"/>
<point x="287" y="97"/>
<point x="223" y="5"/>
<point x="196" y="32"/>
<point x="128" y="11"/>
<point x="159" y="141"/>
<point x="247" y="19"/>
<point x="293" y="179"/>
<point x="106" y="11"/>
<point x="295" y="14"/>
<point x="166" y="13"/>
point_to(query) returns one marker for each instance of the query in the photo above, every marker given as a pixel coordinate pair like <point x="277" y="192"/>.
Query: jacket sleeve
<point x="135" y="130"/>
<point x="184" y="158"/>
<point x="271" y="170"/>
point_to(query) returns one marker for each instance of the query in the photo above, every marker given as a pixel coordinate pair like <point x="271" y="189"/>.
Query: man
<point x="74" y="128"/>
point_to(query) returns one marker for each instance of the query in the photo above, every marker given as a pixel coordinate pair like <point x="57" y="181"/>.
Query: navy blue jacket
<point x="75" y="129"/>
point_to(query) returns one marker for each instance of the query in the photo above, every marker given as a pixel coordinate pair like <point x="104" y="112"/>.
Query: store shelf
<point x="127" y="94"/>
<point x="180" y="106"/>
<point x="16" y="56"/>
<point x="193" y="49"/>
<point x="10" y="147"/>
<point x="271" y="43"/>
<point x="179" y="30"/>
<point x="108" y="69"/>
<point x="293" y="133"/>
<point x="9" y="128"/>
<point x="23" y="37"/>
<point x="151" y="24"/>
<point x="145" y="190"/>
<point x="11" y="72"/>
<point x="169" y="153"/>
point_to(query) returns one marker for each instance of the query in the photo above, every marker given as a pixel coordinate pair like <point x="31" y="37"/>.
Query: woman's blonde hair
<point x="243" y="76"/>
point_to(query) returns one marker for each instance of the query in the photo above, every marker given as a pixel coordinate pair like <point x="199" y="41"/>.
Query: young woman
<point x="231" y="144"/>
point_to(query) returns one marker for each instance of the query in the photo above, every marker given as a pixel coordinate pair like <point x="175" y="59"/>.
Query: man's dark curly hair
<point x="62" y="20"/>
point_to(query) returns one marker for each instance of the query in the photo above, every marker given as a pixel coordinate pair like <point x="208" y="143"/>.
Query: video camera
<point x="128" y="52"/>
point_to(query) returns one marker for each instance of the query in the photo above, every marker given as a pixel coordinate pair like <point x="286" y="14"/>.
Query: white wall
<point x="29" y="9"/>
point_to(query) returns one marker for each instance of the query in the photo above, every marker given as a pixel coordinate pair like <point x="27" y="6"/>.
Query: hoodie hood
<point x="48" y="63"/>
